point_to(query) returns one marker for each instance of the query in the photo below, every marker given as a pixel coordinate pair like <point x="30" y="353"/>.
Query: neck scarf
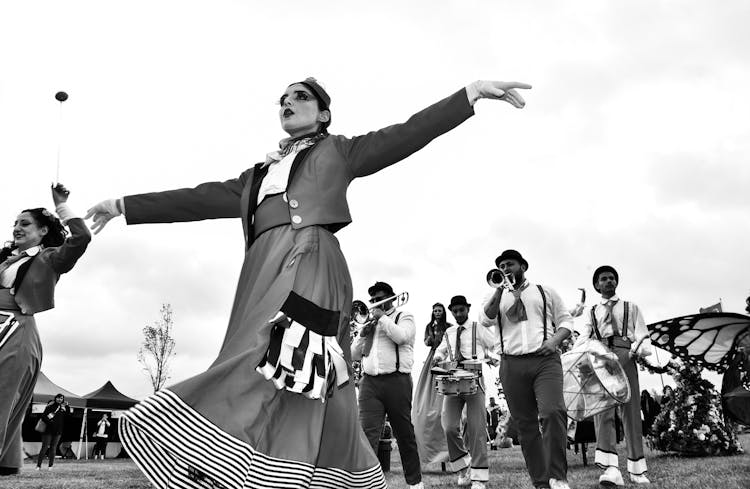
<point x="292" y="145"/>
<point x="517" y="312"/>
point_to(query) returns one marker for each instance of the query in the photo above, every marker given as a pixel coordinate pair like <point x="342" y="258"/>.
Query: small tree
<point x="158" y="348"/>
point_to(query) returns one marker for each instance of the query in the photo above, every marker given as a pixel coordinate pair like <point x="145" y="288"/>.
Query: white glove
<point x="102" y="213"/>
<point x="642" y="349"/>
<point x="498" y="90"/>
<point x="577" y="310"/>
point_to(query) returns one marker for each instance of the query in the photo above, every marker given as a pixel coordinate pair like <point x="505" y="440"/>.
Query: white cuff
<point x="472" y="93"/>
<point x="121" y="205"/>
<point x="65" y="212"/>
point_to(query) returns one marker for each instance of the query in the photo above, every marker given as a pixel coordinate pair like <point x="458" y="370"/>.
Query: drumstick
<point x="633" y="351"/>
<point x="60" y="97"/>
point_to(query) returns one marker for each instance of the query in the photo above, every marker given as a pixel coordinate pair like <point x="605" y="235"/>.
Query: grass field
<point x="507" y="470"/>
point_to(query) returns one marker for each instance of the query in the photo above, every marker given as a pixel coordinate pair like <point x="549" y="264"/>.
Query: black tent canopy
<point x="107" y="397"/>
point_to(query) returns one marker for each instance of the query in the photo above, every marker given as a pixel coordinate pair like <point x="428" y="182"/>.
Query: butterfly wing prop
<point x="709" y="340"/>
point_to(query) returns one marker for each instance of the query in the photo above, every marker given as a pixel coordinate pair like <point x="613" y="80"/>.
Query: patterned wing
<point x="708" y="339"/>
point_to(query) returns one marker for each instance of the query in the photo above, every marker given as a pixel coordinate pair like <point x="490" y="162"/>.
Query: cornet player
<point x="386" y="347"/>
<point x="530" y="370"/>
<point x="620" y="326"/>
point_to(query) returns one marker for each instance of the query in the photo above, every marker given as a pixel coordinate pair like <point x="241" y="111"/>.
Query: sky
<point x="632" y="151"/>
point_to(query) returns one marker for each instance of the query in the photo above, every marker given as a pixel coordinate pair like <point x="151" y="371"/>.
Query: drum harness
<point x="544" y="316"/>
<point x="611" y="339"/>
<point x="473" y="343"/>
<point x="473" y="349"/>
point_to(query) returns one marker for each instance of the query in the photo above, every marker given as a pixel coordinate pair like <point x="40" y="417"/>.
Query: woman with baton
<point x="30" y="265"/>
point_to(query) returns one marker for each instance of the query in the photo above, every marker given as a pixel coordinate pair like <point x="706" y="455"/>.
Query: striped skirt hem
<point x="176" y="447"/>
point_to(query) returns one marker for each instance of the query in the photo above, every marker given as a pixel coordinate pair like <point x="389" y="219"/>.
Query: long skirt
<point x="230" y="427"/>
<point x="20" y="361"/>
<point x="425" y="414"/>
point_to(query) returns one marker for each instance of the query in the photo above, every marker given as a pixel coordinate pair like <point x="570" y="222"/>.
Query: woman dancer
<point x="30" y="266"/>
<point x="428" y="403"/>
<point x="255" y="417"/>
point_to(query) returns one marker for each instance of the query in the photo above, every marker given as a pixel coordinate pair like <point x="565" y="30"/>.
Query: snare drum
<point x="458" y="382"/>
<point x="474" y="366"/>
<point x="448" y="365"/>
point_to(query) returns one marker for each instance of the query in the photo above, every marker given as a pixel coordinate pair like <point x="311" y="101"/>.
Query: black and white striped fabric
<point x="176" y="447"/>
<point x="8" y="325"/>
<point x="303" y="355"/>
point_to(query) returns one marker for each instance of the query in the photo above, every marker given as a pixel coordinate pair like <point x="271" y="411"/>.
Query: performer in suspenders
<point x="386" y="348"/>
<point x="468" y="453"/>
<point x="619" y="325"/>
<point x="532" y="321"/>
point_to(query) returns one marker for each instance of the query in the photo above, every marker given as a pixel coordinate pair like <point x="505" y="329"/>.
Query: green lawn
<point x="506" y="471"/>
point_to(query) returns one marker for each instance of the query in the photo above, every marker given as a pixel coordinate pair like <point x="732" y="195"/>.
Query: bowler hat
<point x="458" y="300"/>
<point x="602" y="269"/>
<point x="511" y="255"/>
<point x="381" y="287"/>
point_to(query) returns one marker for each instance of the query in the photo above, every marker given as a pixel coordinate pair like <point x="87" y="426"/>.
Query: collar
<point x="613" y="298"/>
<point x="525" y="284"/>
<point x="33" y="251"/>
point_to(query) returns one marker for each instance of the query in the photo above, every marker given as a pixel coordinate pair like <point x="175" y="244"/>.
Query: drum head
<point x="464" y="374"/>
<point x="593" y="381"/>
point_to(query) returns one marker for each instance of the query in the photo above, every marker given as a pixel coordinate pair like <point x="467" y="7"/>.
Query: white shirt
<point x="278" y="176"/>
<point x="485" y="341"/>
<point x="389" y="336"/>
<point x="635" y="330"/>
<point x="8" y="276"/>
<point x="527" y="336"/>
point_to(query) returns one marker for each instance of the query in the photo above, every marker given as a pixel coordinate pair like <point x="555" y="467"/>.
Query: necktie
<point x="517" y="312"/>
<point x="368" y="343"/>
<point x="459" y="357"/>
<point x="610" y="317"/>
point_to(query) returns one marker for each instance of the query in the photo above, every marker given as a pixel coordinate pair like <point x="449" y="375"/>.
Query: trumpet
<point x="362" y="313"/>
<point x="497" y="279"/>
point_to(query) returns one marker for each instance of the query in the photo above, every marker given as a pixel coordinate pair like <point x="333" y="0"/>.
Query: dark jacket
<point x="55" y="424"/>
<point x="34" y="288"/>
<point x="316" y="190"/>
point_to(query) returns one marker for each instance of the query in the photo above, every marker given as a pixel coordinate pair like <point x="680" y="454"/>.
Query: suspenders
<point x="625" y="318"/>
<point x="398" y="359"/>
<point x="500" y="321"/>
<point x="474" y="341"/>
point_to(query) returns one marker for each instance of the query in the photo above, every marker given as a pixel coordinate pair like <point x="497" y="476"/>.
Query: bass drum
<point x="593" y="380"/>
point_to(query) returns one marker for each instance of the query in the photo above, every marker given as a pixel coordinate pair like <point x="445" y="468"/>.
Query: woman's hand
<point x="59" y="194"/>
<point x="498" y="90"/>
<point x="102" y="213"/>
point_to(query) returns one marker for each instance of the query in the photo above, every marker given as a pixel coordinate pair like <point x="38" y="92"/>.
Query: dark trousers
<point x="390" y="395"/>
<point x="49" y="441"/>
<point x="533" y="390"/>
<point x="100" y="448"/>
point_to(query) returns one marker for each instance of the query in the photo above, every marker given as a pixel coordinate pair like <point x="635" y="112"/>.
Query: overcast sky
<point x="632" y="151"/>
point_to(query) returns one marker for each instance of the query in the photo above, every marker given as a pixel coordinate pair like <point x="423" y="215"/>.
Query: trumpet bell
<point x="495" y="278"/>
